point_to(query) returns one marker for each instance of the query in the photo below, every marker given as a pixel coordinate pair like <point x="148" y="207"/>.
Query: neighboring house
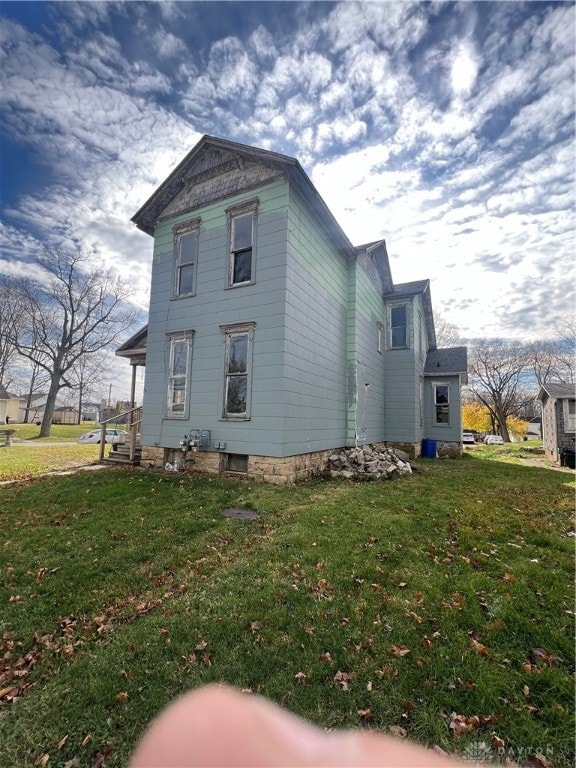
<point x="534" y="431"/>
<point x="4" y="400"/>
<point x="558" y="403"/>
<point x="271" y="334"/>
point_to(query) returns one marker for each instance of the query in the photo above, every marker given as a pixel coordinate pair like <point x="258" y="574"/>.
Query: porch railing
<point x="133" y="422"/>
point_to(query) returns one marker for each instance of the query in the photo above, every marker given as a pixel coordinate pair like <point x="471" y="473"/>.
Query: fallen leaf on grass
<point x="538" y="760"/>
<point x="343" y="678"/>
<point x="480" y="649"/>
<point x="86" y="740"/>
<point x="398" y="731"/>
<point x="497" y="742"/>
<point x="509" y="577"/>
<point x="538" y="654"/>
<point x="73" y="763"/>
<point x="122" y="697"/>
<point x="462" y="724"/>
<point x="365" y="714"/>
<point x="301" y="677"/>
<point x="43" y="759"/>
<point x="62" y="741"/>
<point x="400" y="650"/>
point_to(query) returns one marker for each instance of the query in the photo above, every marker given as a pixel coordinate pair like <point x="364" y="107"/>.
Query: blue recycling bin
<point x="429" y="449"/>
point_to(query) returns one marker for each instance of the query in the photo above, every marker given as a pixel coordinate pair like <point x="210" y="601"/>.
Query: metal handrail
<point x="134" y="421"/>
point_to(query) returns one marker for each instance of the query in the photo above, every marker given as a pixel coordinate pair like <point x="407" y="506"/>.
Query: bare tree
<point x="497" y="378"/>
<point x="447" y="334"/>
<point x="71" y="308"/>
<point x="8" y="315"/>
<point x="554" y="360"/>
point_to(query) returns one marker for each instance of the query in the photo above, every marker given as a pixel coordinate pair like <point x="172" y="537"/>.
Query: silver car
<point x="112" y="436"/>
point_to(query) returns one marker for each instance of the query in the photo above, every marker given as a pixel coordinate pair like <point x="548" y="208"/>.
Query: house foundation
<point x="269" y="469"/>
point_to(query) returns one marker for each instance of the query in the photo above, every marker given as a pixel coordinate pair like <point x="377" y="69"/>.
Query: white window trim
<point x="379" y="337"/>
<point x="236" y="211"/>
<point x="229" y="331"/>
<point x="449" y="404"/>
<point x="172" y="339"/>
<point x="569" y="419"/>
<point x="395" y="305"/>
<point x="180" y="230"/>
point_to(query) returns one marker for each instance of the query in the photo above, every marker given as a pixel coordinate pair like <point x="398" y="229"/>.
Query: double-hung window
<point x="441" y="413"/>
<point x="242" y="239"/>
<point x="185" y="257"/>
<point x="237" y="370"/>
<point x="570" y="415"/>
<point x="399" y="326"/>
<point x="179" y="374"/>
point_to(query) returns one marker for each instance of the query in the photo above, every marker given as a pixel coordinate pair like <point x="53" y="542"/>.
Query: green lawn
<point x="441" y="603"/>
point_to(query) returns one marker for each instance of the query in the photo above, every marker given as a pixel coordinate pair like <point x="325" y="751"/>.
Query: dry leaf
<point x="526" y="690"/>
<point x="122" y="697"/>
<point x="365" y="714"/>
<point x="369" y="686"/>
<point x="62" y="741"/>
<point x="538" y="654"/>
<point x="509" y="577"/>
<point x="400" y="650"/>
<point x="398" y="731"/>
<point x="86" y="740"/>
<point x="42" y="760"/>
<point x="538" y="760"/>
<point x="497" y="742"/>
<point x="73" y="763"/>
<point x="301" y="677"/>
<point x="478" y="647"/>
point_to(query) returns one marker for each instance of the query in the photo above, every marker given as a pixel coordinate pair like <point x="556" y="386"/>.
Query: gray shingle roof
<point x="448" y="360"/>
<point x="409" y="289"/>
<point x="3" y="393"/>
<point x="558" y="390"/>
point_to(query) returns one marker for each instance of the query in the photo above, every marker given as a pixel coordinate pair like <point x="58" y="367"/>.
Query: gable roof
<point x="556" y="390"/>
<point x="448" y="361"/>
<point x="196" y="162"/>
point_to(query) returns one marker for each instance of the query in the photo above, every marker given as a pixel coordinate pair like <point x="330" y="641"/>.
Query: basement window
<point x="235" y="462"/>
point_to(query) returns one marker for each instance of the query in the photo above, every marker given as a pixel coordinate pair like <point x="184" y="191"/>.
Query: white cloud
<point x="464" y="69"/>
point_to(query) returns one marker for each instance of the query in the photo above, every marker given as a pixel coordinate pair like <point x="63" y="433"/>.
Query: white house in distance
<point x="272" y="340"/>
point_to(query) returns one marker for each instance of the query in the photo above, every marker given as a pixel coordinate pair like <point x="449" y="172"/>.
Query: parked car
<point x="468" y="438"/>
<point x="493" y="440"/>
<point x="112" y="436"/>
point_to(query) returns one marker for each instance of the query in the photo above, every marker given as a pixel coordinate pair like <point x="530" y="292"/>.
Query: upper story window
<point x="441" y="414"/>
<point x="186" y="257"/>
<point x="399" y="326"/>
<point x="178" y="374"/>
<point x="242" y="236"/>
<point x="237" y="370"/>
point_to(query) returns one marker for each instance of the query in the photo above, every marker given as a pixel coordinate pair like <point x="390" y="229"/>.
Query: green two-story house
<point x="271" y="339"/>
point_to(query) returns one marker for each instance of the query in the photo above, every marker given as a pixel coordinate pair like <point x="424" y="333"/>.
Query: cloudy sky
<point x="446" y="128"/>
